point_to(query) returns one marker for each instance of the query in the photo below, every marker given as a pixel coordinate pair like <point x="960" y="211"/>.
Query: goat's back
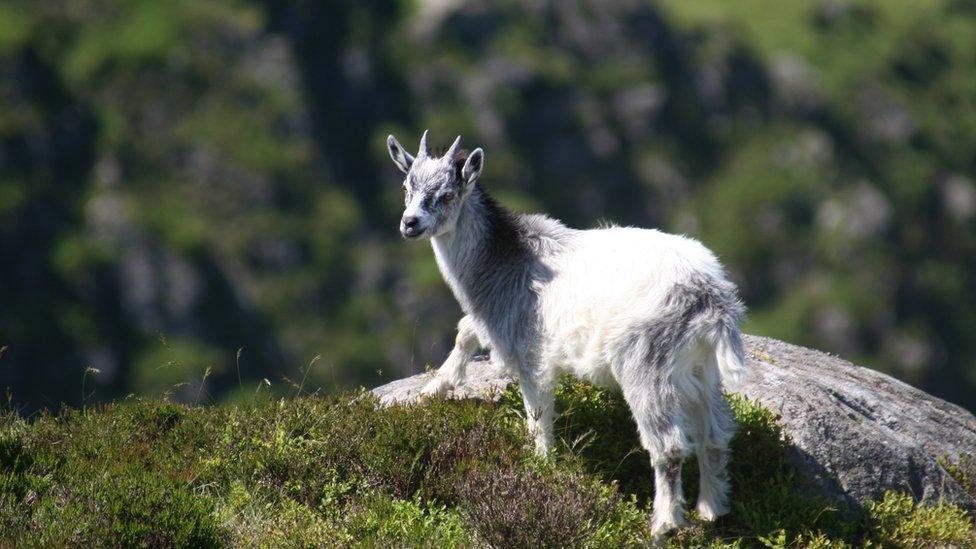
<point x="610" y="282"/>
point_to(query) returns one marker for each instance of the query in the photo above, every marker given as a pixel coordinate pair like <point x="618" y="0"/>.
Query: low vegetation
<point x="337" y="471"/>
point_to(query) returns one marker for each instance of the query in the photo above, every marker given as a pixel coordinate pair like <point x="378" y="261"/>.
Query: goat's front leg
<point x="539" y="397"/>
<point x="453" y="371"/>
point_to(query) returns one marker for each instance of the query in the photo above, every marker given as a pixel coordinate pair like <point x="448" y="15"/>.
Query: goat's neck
<point x="483" y="240"/>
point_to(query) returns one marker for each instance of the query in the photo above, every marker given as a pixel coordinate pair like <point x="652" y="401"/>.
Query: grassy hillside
<point x="330" y="471"/>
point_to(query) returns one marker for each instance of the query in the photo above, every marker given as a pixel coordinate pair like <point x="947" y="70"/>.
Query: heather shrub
<point x="527" y="507"/>
<point x="340" y="471"/>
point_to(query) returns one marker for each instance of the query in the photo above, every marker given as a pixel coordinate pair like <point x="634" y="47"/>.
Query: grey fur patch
<point x="499" y="264"/>
<point x="697" y="303"/>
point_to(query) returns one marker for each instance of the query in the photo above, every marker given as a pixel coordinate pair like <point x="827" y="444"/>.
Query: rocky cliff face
<point x="853" y="433"/>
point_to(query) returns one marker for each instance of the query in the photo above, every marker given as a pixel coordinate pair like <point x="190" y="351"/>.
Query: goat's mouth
<point x="413" y="233"/>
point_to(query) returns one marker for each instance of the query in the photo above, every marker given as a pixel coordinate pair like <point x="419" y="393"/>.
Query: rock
<point x="485" y="381"/>
<point x="854" y="433"/>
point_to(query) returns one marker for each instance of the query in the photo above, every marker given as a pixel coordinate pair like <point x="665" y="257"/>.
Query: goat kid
<point x="649" y="313"/>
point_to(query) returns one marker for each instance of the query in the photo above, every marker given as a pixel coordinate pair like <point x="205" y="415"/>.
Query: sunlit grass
<point x="338" y="470"/>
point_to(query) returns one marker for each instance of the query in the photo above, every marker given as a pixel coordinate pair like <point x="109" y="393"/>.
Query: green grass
<point x="334" y="471"/>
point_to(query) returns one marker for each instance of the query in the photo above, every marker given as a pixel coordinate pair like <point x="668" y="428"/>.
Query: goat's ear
<point x="400" y="156"/>
<point x="472" y="166"/>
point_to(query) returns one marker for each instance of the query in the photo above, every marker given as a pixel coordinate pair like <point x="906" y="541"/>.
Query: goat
<point x="649" y="313"/>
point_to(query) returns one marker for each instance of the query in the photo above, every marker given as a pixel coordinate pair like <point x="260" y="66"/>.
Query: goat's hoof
<point x="543" y="449"/>
<point x="436" y="387"/>
<point x="660" y="539"/>
<point x="709" y="511"/>
<point x="660" y="529"/>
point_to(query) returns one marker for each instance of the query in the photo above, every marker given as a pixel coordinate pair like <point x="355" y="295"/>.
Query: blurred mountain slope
<point x="181" y="180"/>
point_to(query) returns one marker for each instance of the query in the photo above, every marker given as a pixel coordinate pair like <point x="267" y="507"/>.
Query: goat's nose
<point x="410" y="221"/>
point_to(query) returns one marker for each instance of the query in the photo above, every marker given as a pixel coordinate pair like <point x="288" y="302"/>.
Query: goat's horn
<point x="424" y="149"/>
<point x="449" y="155"/>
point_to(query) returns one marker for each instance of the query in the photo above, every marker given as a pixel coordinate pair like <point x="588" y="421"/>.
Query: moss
<point x="383" y="520"/>
<point x="896" y="521"/>
<point x="963" y="470"/>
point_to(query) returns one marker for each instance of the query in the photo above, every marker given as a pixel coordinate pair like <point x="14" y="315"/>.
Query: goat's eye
<point x="447" y="197"/>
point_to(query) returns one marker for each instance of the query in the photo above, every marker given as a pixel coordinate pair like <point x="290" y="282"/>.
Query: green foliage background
<point x="180" y="180"/>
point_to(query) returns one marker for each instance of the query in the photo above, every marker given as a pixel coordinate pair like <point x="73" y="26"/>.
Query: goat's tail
<point x="726" y="312"/>
<point x="729" y="355"/>
<point x="716" y="313"/>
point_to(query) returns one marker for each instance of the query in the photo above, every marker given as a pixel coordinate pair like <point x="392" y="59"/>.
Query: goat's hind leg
<point x="453" y="371"/>
<point x="716" y="428"/>
<point x="657" y="399"/>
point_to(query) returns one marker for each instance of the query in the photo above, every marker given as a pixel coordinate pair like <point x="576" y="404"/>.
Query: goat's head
<point x="435" y="187"/>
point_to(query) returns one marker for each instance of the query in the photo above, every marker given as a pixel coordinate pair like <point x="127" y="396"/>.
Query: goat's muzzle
<point x="410" y="227"/>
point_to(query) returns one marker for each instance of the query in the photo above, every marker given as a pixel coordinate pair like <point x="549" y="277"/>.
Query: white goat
<point x="647" y="312"/>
